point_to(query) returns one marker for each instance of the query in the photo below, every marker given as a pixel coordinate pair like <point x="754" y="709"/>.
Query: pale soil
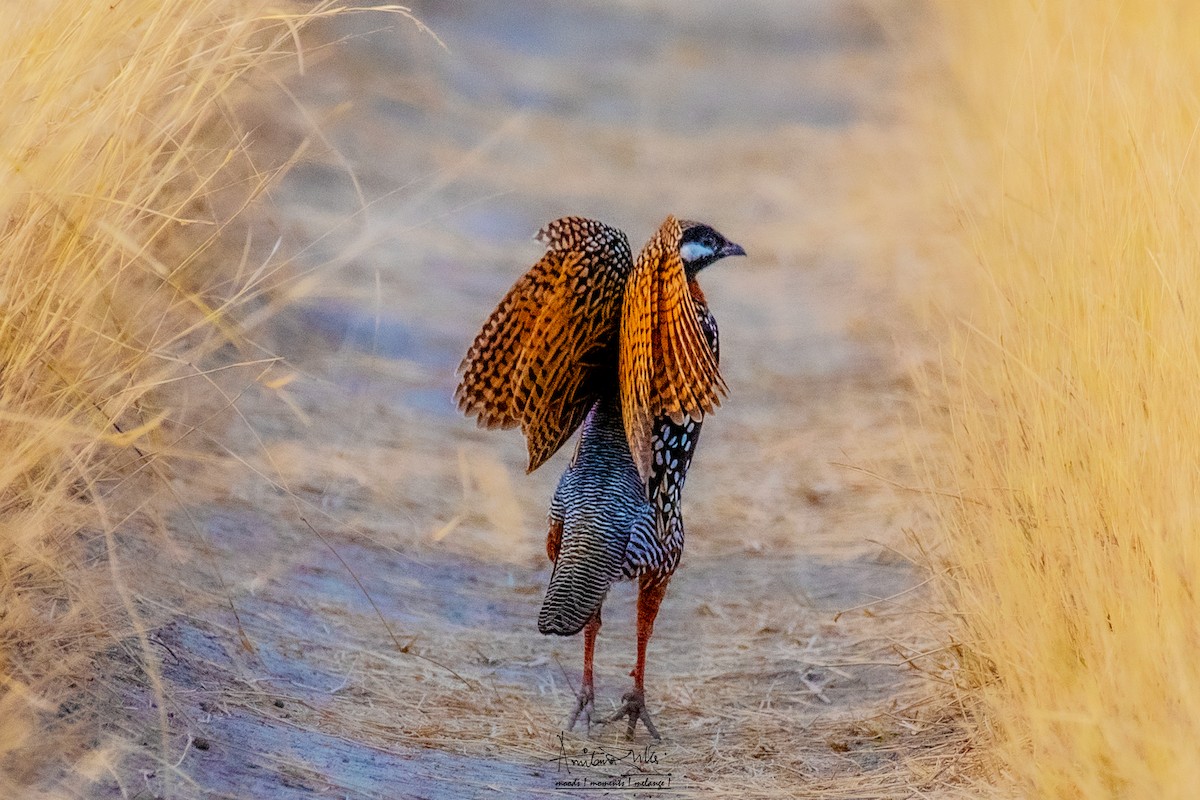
<point x="778" y="666"/>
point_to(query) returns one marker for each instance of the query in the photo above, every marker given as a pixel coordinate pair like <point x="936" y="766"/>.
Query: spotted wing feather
<point x="488" y="389"/>
<point x="548" y="349"/>
<point x="667" y="367"/>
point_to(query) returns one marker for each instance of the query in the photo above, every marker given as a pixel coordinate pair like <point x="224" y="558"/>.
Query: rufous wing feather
<point x="488" y="382"/>
<point x="544" y="353"/>
<point x="667" y="368"/>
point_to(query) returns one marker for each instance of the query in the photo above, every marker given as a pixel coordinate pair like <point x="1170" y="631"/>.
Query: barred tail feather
<point x="588" y="564"/>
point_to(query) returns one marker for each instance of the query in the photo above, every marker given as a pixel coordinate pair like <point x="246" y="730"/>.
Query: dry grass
<point x="1075" y="437"/>
<point x="121" y="170"/>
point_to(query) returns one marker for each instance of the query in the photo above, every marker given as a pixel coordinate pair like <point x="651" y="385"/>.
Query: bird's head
<point x="701" y="245"/>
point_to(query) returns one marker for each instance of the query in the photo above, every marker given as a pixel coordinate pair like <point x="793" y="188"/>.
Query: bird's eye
<point x="709" y="241"/>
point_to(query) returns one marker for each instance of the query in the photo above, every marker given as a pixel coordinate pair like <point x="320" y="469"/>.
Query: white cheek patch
<point x="694" y="251"/>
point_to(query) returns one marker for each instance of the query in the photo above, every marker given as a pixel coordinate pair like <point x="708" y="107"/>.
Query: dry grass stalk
<point x="117" y="145"/>
<point x="1073" y="418"/>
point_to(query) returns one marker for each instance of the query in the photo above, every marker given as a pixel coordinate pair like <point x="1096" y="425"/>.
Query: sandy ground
<point x="346" y="603"/>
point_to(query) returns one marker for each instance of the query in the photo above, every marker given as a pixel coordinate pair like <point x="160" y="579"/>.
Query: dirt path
<point x="774" y="669"/>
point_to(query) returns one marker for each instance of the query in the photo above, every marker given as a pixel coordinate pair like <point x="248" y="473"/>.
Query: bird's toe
<point x="585" y="708"/>
<point x="633" y="707"/>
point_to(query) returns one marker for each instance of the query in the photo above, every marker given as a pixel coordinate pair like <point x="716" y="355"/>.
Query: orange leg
<point x="554" y="539"/>
<point x="650" y="594"/>
<point x="590" y="631"/>
<point x="587" y="692"/>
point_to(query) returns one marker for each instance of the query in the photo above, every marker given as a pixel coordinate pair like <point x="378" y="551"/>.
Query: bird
<point x="626" y="351"/>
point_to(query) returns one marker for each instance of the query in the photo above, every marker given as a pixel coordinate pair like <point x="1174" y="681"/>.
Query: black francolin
<point x="629" y="351"/>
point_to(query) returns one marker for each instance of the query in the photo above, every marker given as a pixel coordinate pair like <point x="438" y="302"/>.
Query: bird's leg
<point x="587" y="695"/>
<point x="650" y="594"/>
<point x="554" y="539"/>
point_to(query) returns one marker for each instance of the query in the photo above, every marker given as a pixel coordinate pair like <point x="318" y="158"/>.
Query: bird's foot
<point x="634" y="707"/>
<point x="585" y="707"/>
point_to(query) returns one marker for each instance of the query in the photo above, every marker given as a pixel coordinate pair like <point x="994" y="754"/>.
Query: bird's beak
<point x="732" y="249"/>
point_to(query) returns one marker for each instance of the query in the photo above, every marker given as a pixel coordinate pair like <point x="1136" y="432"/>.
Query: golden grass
<point x="1075" y="432"/>
<point x="121" y="168"/>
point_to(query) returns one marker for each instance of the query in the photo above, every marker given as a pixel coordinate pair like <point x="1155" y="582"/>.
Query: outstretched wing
<point x="667" y="368"/>
<point x="545" y="353"/>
